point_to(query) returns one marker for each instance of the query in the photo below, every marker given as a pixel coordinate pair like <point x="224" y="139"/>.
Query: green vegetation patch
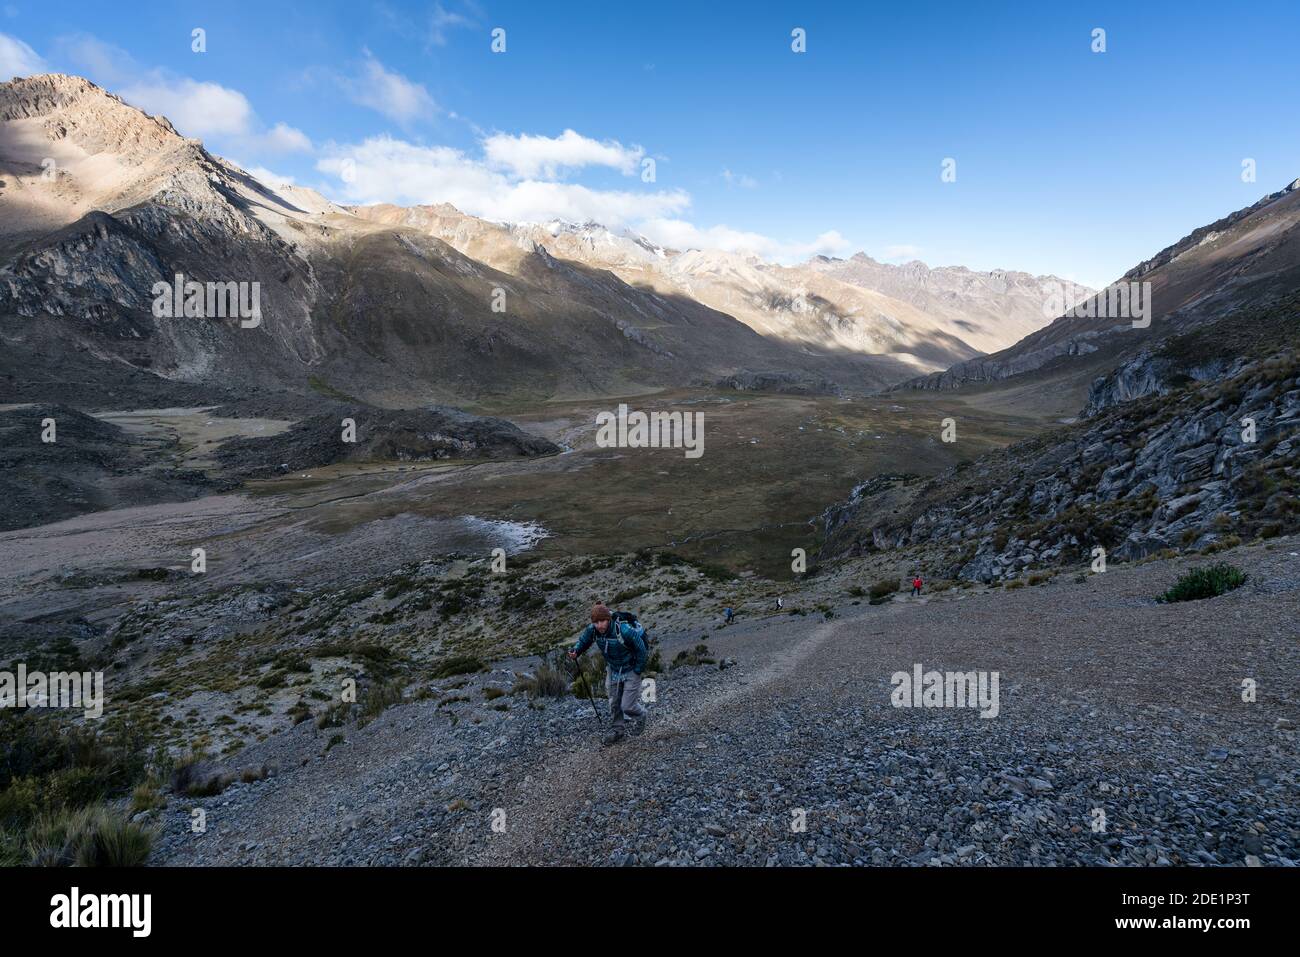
<point x="1207" y="582"/>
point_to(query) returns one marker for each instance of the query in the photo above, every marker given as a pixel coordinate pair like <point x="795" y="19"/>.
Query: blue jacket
<point x="622" y="645"/>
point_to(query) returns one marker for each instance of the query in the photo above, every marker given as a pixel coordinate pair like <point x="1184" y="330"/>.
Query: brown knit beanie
<point x="599" y="612"/>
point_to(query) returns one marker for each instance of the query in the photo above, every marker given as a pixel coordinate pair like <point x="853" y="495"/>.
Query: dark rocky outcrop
<point x="788" y="383"/>
<point x="91" y="465"/>
<point x="1188" y="465"/>
<point x="404" y="435"/>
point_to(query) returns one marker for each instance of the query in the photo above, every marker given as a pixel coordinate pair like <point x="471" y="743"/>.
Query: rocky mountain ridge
<point x="1181" y="449"/>
<point x="1249" y="257"/>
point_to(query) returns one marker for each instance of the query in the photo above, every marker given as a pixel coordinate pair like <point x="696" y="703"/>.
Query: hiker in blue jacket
<point x="623" y="646"/>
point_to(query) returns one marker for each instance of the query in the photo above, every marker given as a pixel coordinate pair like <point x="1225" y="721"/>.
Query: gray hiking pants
<point x="624" y="696"/>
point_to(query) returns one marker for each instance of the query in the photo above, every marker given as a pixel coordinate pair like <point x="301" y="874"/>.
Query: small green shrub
<point x="300" y="712"/>
<point x="524" y="599"/>
<point x="272" y="679"/>
<point x="882" y="590"/>
<point x="1207" y="582"/>
<point x="628" y="594"/>
<point x="335" y="716"/>
<point x="457" y="665"/>
<point x="699" y="655"/>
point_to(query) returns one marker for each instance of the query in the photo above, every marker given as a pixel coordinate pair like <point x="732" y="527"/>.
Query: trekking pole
<point x="592" y="698"/>
<point x="577" y="669"/>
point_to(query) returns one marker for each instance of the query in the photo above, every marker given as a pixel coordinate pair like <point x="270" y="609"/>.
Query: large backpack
<point x="629" y="618"/>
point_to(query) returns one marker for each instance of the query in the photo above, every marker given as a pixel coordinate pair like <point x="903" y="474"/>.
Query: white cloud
<point x="195" y="108"/>
<point x="533" y="201"/>
<point x="102" y="62"/>
<point x="389" y="93"/>
<point x="387" y="170"/>
<point x="283" y="138"/>
<point x="435" y="26"/>
<point x="680" y="234"/>
<point x="441" y="21"/>
<point x="547" y="157"/>
<point x="18" y="59"/>
<point x="383" y="169"/>
<point x="829" y="243"/>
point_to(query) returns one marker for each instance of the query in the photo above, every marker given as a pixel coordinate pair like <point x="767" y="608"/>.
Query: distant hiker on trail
<point x="780" y="603"/>
<point x="728" y="615"/>
<point x="623" y="645"/>
<point x="916" y="584"/>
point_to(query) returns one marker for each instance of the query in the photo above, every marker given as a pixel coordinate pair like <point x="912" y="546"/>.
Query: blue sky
<point x="1067" y="161"/>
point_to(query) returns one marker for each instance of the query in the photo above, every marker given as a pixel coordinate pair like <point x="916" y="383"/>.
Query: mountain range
<point x="100" y="203"/>
<point x="1247" y="258"/>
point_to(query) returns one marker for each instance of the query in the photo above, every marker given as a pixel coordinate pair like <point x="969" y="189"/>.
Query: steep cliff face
<point x="1215" y="350"/>
<point x="102" y="207"/>
<point x="1147" y="374"/>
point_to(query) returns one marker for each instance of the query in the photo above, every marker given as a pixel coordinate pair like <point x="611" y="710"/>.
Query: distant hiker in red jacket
<point x="916" y="585"/>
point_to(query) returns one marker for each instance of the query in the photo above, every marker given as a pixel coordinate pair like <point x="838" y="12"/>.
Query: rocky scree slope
<point x="1170" y="470"/>
<point x="731" y="752"/>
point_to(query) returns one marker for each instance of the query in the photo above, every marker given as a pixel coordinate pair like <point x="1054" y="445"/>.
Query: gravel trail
<point x="1121" y="737"/>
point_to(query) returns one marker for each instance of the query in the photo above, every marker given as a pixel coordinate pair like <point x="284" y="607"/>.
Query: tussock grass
<point x="881" y="591"/>
<point x="591" y="675"/>
<point x="1207" y="582"/>
<point x="548" y="680"/>
<point x="50" y="772"/>
<point x="147" y="797"/>
<point x="457" y="665"/>
<point x="93" y="836"/>
<point x="377" y="699"/>
<point x="699" y="655"/>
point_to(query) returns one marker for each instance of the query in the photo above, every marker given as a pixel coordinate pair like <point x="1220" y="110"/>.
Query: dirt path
<point x="568" y="782"/>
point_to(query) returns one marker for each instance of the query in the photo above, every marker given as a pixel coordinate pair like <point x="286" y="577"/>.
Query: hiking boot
<point x="638" y="723"/>
<point x="616" y="735"/>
